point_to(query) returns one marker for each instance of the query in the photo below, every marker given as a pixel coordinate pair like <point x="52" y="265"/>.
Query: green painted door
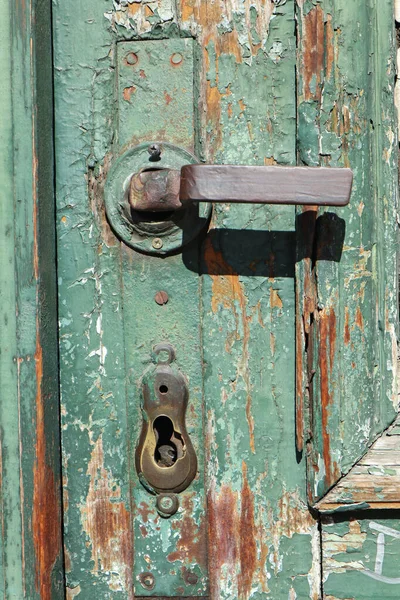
<point x="281" y="322"/>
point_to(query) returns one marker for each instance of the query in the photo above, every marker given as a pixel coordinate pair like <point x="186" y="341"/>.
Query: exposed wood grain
<point x="373" y="482"/>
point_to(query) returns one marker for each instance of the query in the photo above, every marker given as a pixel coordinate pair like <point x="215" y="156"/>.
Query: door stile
<point x="31" y="556"/>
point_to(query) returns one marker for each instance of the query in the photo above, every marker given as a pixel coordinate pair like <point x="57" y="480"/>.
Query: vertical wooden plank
<point x="97" y="517"/>
<point x="262" y="539"/>
<point x="345" y="108"/>
<point x="30" y="483"/>
<point x="11" y="583"/>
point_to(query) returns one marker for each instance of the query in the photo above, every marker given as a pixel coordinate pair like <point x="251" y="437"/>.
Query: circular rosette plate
<point x="151" y="232"/>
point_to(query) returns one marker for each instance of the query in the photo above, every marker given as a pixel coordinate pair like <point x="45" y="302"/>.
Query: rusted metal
<point x="155" y="190"/>
<point x="159" y="190"/>
<point x="167" y="504"/>
<point x="147" y="580"/>
<point x="165" y="457"/>
<point x="266" y="185"/>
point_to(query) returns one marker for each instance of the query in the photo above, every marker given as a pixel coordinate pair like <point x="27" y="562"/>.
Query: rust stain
<point x="127" y="93"/>
<point x="247" y="539"/>
<point x="346" y="326"/>
<point x="242" y="105"/>
<point x="313" y="53"/>
<point x="107" y="523"/>
<point x="213" y="102"/>
<point x="46" y="520"/>
<point x="222" y="535"/>
<point x="192" y="544"/>
<point x="329" y="46"/>
<point x="327" y="342"/>
<point x="293" y="516"/>
<point x="228" y="291"/>
<point x="168" y="98"/>
<point x="46" y="516"/>
<point x="359" y="321"/>
<point x="144" y="511"/>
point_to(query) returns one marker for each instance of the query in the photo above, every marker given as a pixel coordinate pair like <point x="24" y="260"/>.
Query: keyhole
<point x="169" y="445"/>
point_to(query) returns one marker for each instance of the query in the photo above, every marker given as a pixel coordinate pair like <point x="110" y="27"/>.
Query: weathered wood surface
<point x="31" y="561"/>
<point x="361" y="558"/>
<point x="262" y="538"/>
<point x="374" y="482"/>
<point x="346" y="295"/>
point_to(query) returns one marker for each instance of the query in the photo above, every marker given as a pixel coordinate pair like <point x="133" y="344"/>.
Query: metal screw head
<point x="131" y="58"/>
<point x="147" y="580"/>
<point x="167" y="504"/>
<point x="155" y="151"/>
<point x="157" y="243"/>
<point x="161" y="297"/>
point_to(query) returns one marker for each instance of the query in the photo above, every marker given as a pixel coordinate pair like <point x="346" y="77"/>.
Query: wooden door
<point x="278" y="324"/>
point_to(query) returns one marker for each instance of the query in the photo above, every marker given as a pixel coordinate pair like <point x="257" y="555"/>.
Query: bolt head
<point x="167" y="504"/>
<point x="147" y="580"/>
<point x="131" y="58"/>
<point x="161" y="297"/>
<point x="157" y="243"/>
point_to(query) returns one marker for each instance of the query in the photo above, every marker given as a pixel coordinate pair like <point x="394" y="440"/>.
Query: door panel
<point x="259" y="293"/>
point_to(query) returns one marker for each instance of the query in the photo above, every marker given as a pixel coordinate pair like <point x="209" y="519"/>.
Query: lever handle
<point x="266" y="185"/>
<point x="161" y="190"/>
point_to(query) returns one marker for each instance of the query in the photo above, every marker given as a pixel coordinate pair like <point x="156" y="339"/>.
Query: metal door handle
<point x="266" y="185"/>
<point x="158" y="190"/>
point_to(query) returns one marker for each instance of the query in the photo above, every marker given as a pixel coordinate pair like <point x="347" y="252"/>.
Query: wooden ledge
<point x="373" y="483"/>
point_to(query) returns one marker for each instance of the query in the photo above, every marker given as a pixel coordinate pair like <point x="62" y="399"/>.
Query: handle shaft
<point x="266" y="185"/>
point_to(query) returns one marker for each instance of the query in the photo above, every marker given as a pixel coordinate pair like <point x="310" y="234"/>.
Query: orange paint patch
<point x="168" y="98"/>
<point x="187" y="9"/>
<point x="127" y="93"/>
<point x="359" y="321"/>
<point x="329" y="46"/>
<point x="133" y="8"/>
<point x="274" y="299"/>
<point x="313" y="53"/>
